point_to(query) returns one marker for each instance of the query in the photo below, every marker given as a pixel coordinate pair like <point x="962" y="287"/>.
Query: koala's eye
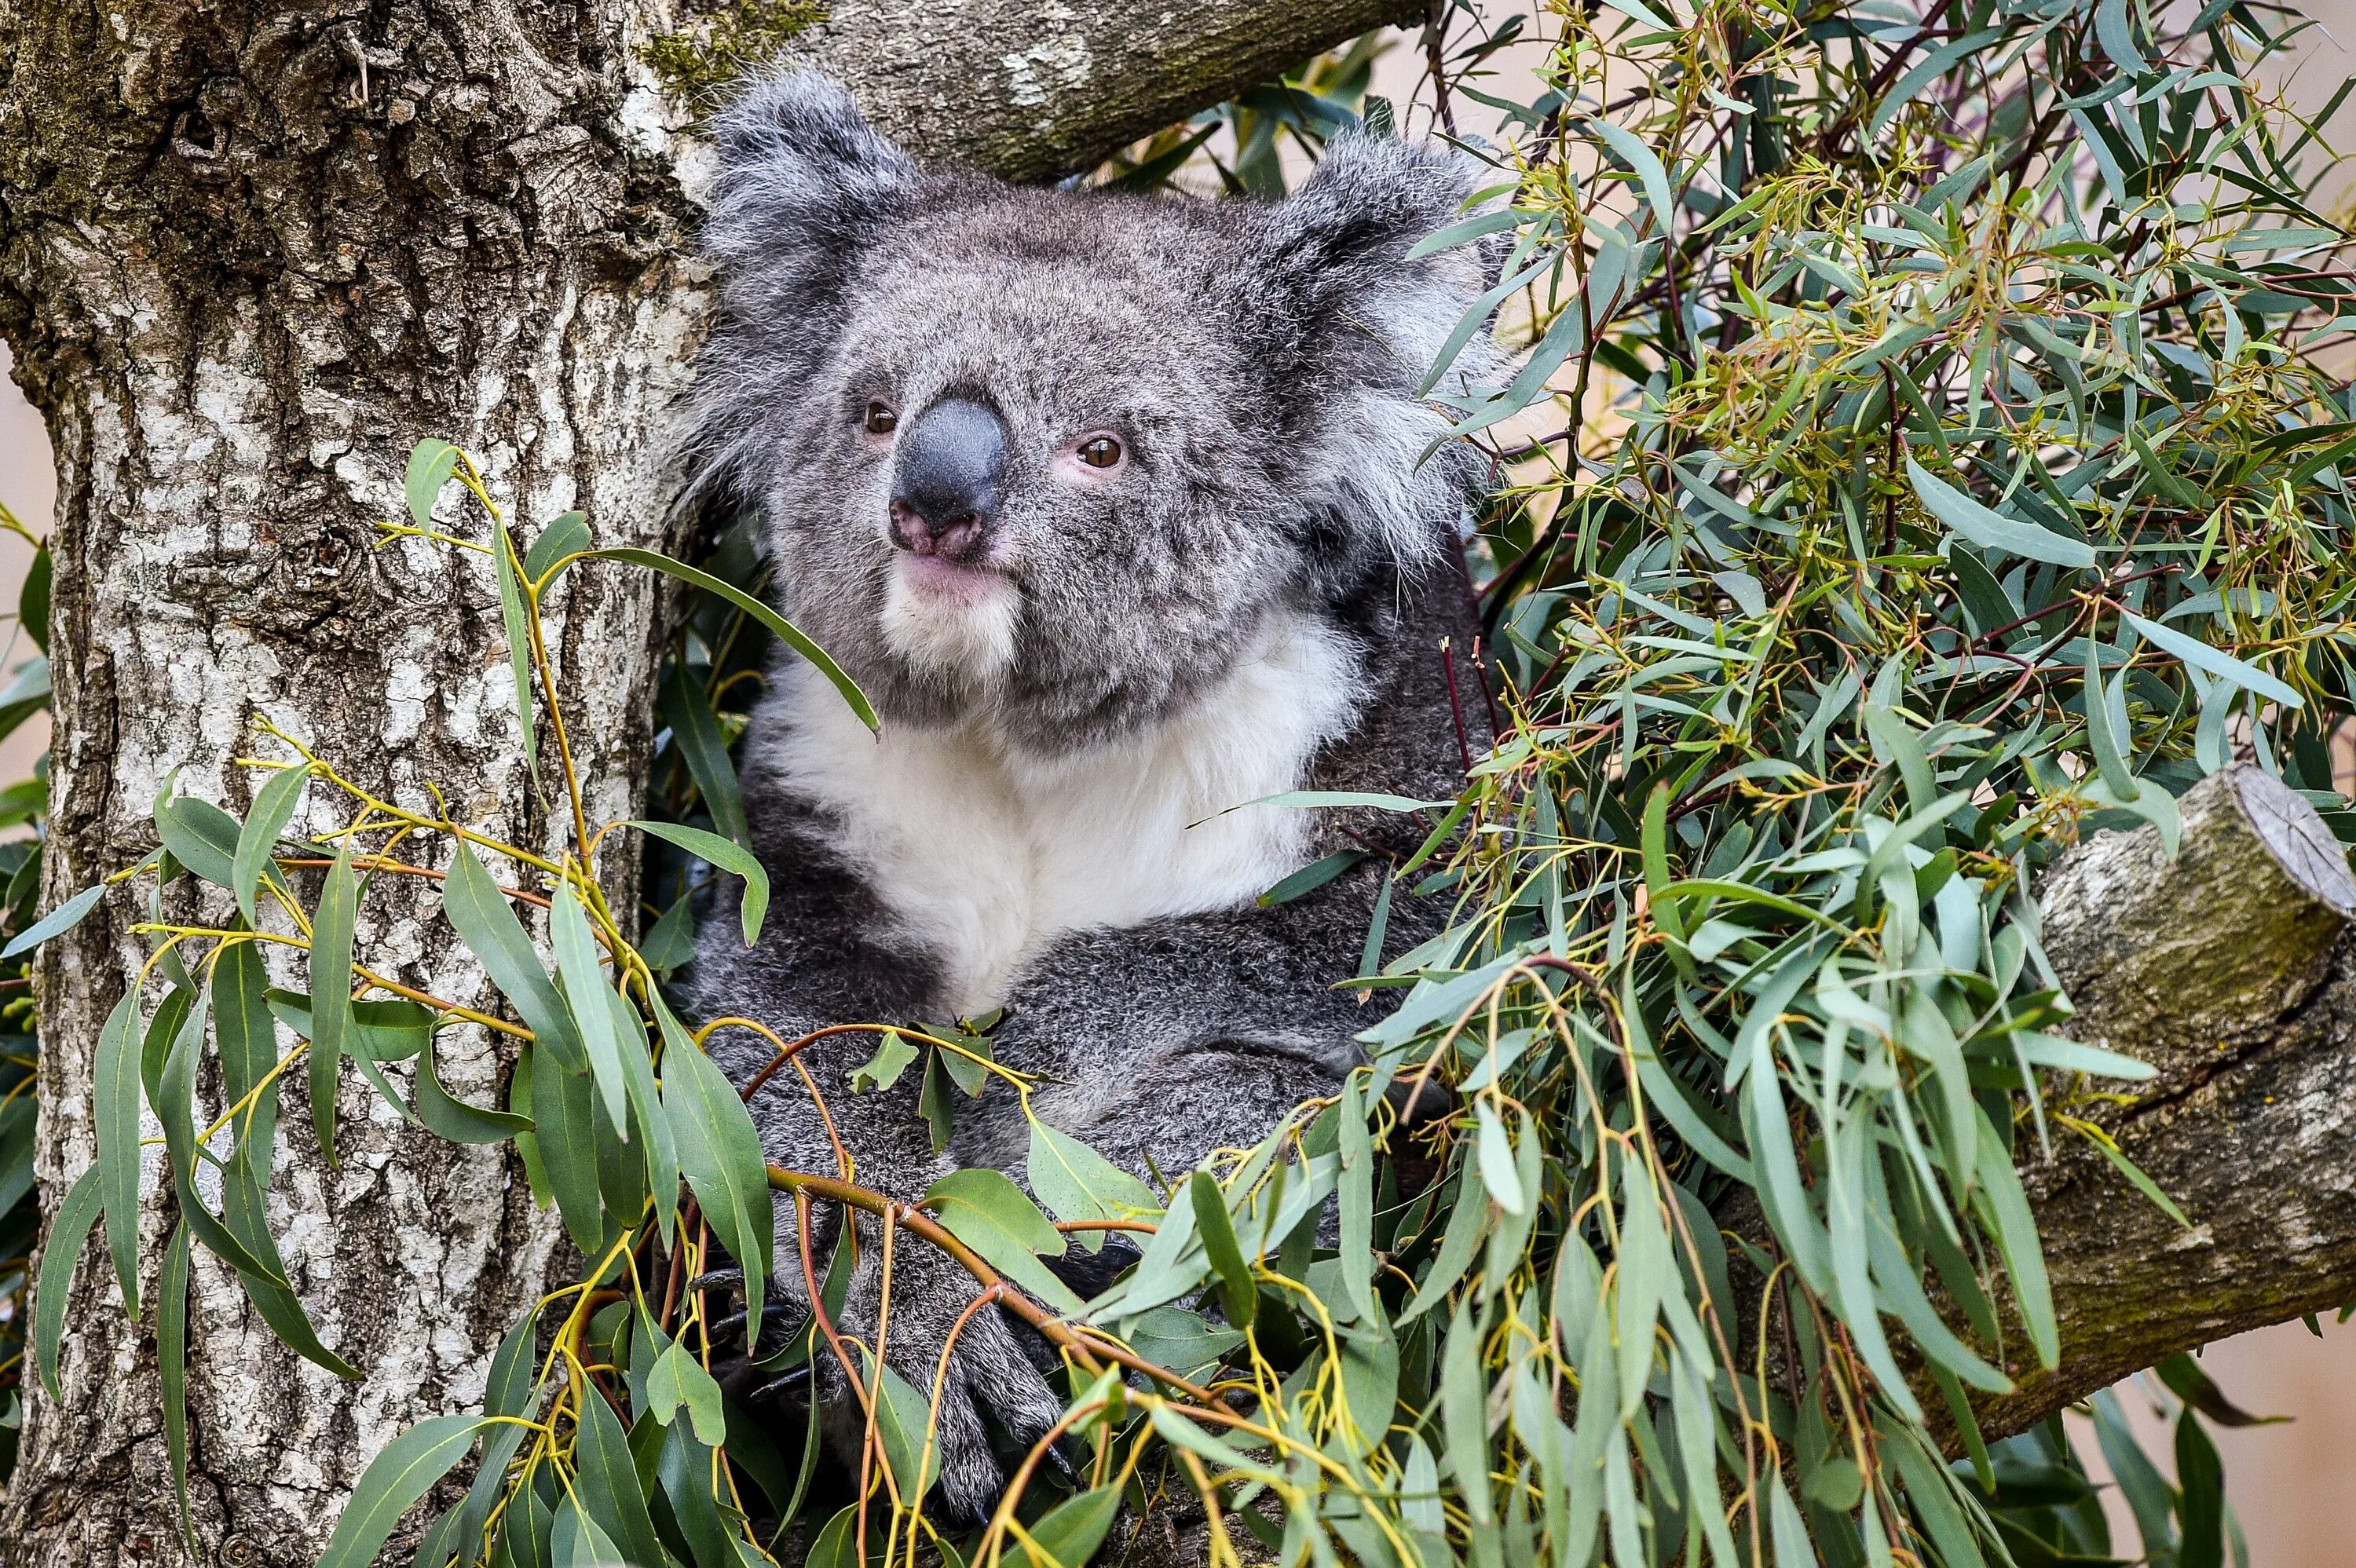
<point x="880" y="418"/>
<point x="1100" y="452"/>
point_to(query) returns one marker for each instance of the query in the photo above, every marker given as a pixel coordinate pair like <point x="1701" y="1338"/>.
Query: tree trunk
<point x="247" y="257"/>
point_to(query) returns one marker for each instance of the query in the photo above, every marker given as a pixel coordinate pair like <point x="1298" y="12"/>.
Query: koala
<point x="1125" y="512"/>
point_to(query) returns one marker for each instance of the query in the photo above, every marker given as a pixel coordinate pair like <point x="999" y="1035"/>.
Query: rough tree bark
<point x="249" y="254"/>
<point x="2232" y="970"/>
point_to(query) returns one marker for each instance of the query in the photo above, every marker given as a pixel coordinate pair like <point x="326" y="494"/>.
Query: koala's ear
<point x="1336" y="251"/>
<point x="800" y="173"/>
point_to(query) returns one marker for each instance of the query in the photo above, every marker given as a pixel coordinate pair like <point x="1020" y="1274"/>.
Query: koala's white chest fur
<point x="988" y="851"/>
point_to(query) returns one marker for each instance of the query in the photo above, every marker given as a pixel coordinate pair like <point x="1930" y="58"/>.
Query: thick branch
<point x="2232" y="971"/>
<point x="1033" y="88"/>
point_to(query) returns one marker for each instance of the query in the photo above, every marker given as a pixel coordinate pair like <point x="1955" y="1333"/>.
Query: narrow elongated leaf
<point x="1987" y="530"/>
<point x="68" y="1232"/>
<point x="585" y="990"/>
<point x="1463" y="1407"/>
<point x="382" y="1028"/>
<point x="564" y="1114"/>
<point x="447" y="1116"/>
<point x="658" y="1144"/>
<point x="902" y="1416"/>
<point x="729" y="856"/>
<point x="2213" y="661"/>
<point x="331" y="994"/>
<point x="56" y="923"/>
<point x="172" y="1370"/>
<point x="720" y="1154"/>
<point x="514" y="618"/>
<point x="696" y="732"/>
<point x="1218" y="1232"/>
<point x="606" y="1481"/>
<point x="481" y="915"/>
<point x="115" y="1097"/>
<point x="784" y="630"/>
<point x="404" y="1471"/>
<point x="273" y="807"/>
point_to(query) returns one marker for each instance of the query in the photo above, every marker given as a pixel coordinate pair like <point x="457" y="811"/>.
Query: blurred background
<point x="2282" y="1476"/>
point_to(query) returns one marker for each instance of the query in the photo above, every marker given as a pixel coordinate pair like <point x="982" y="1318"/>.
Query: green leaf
<point x="175" y="1104"/>
<point x="273" y="807"/>
<point x="989" y="1213"/>
<point x="200" y="836"/>
<point x="32" y="600"/>
<point x="2212" y="661"/>
<point x="679" y="1379"/>
<point x="69" y="1231"/>
<point x="447" y="1116"/>
<point x="1311" y="877"/>
<point x="2004" y="1206"/>
<point x="1068" y="1534"/>
<point x="172" y="1371"/>
<point x="1648" y="167"/>
<point x="382" y="1028"/>
<point x="2185" y="1378"/>
<point x="695" y="730"/>
<point x="728" y="857"/>
<point x="431" y="465"/>
<point x="478" y="911"/>
<point x="1463" y="1411"/>
<point x="660" y="1144"/>
<point x="1078" y="1183"/>
<point x="515" y="617"/>
<point x="331" y="993"/>
<point x="1984" y="528"/>
<point x="720" y="1154"/>
<point x="395" y="1479"/>
<point x="1238" y="1291"/>
<point x="783" y="629"/>
<point x="1496" y="1157"/>
<point x="565" y="1130"/>
<point x="565" y="537"/>
<point x="605" y="1480"/>
<point x="882" y="1070"/>
<point x="902" y="1416"/>
<point x="2201" y="1497"/>
<point x="56" y="923"/>
<point x="584" y="987"/>
<point x="115" y="1095"/>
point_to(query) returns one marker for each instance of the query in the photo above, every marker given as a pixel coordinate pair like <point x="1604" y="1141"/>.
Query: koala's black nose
<point x="945" y="486"/>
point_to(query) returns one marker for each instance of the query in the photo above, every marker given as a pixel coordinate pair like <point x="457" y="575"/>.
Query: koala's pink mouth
<point x="940" y="579"/>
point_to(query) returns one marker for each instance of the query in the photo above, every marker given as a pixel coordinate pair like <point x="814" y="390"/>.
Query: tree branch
<point x="1030" y="89"/>
<point x="2232" y="971"/>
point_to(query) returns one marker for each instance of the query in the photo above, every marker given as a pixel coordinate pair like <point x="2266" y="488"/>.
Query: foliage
<point x="21" y="803"/>
<point x="1923" y="454"/>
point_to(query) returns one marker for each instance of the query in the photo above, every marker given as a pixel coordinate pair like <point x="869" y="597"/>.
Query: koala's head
<point x="1057" y="458"/>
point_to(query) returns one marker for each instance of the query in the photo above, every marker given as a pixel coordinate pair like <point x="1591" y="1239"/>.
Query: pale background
<point x="2284" y="1480"/>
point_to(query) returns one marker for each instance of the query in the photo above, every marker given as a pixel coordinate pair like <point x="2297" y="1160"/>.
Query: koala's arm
<point x="830" y="953"/>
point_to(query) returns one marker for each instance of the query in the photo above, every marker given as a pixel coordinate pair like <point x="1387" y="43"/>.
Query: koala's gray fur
<point x="1256" y="601"/>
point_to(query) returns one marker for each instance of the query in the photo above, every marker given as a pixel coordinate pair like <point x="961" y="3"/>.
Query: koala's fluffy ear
<point x="1357" y="325"/>
<point x="1336" y="251"/>
<point x="802" y="177"/>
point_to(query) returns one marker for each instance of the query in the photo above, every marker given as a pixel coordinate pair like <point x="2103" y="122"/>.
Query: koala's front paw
<point x="747" y="1369"/>
<point x="994" y="1403"/>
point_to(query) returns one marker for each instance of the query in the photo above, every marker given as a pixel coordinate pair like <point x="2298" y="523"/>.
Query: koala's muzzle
<point x="945" y="484"/>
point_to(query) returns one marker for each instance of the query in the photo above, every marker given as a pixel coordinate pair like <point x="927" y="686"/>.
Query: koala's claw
<point x="793" y="1379"/>
<point x="731" y="1276"/>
